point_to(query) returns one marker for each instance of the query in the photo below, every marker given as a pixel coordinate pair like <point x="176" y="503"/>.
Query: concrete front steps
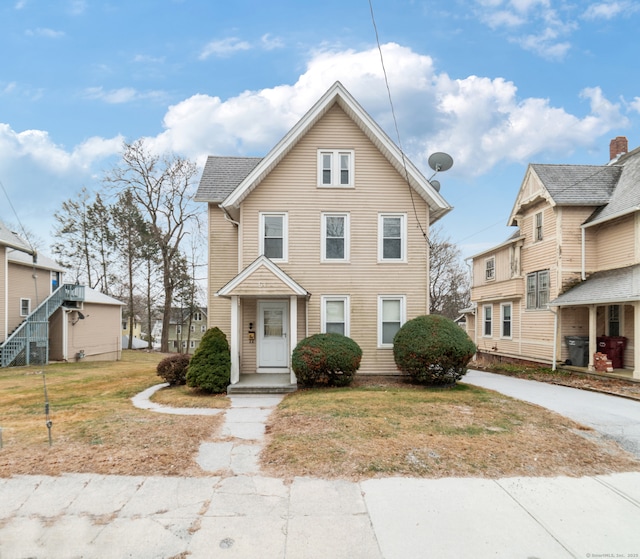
<point x="263" y="383"/>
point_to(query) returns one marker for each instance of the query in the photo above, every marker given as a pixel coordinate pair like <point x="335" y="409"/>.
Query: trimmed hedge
<point x="433" y="350"/>
<point x="329" y="359"/>
<point x="173" y="369"/>
<point x="210" y="366"/>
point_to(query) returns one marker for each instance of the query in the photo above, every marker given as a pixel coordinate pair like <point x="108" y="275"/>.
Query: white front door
<point x="273" y="341"/>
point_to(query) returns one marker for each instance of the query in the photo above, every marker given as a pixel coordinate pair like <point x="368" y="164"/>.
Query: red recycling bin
<point x="613" y="347"/>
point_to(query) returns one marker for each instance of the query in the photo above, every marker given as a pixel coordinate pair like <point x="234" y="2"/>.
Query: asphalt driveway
<point x="614" y="417"/>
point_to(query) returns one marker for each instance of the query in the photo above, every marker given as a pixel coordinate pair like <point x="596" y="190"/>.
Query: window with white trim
<point x="25" y="307"/>
<point x="335" y="237"/>
<point x="335" y="314"/>
<point x="192" y="344"/>
<point x="197" y="316"/>
<point x="538" y="290"/>
<point x="505" y="320"/>
<point x="178" y="329"/>
<point x="203" y="328"/>
<point x="335" y="168"/>
<point x="487" y="326"/>
<point x="490" y="269"/>
<point x="193" y="328"/>
<point x="538" y="227"/>
<point x="273" y="236"/>
<point x="392" y="238"/>
<point x="391" y="316"/>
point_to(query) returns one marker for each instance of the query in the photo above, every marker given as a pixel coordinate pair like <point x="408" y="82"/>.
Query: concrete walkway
<point x="247" y="515"/>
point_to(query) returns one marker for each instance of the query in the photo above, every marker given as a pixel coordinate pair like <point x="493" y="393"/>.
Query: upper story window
<point x="335" y="168"/>
<point x="197" y="316"/>
<point x="490" y="269"/>
<point x="25" y="307"/>
<point x="392" y="238"/>
<point x="335" y="237"/>
<point x="203" y="328"/>
<point x="487" y="319"/>
<point x="538" y="227"/>
<point x="273" y="236"/>
<point x="505" y="311"/>
<point x="538" y="290"/>
<point x="335" y="314"/>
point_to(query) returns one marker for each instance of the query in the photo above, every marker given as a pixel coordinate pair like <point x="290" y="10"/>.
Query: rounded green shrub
<point x="433" y="350"/>
<point x="173" y="368"/>
<point x="210" y="366"/>
<point x="329" y="359"/>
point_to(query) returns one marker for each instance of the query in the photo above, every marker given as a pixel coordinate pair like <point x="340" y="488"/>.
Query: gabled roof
<point x="10" y="239"/>
<point x="607" y="287"/>
<point x="337" y="94"/>
<point x="41" y="261"/>
<point x="282" y="283"/>
<point x="222" y="175"/>
<point x="578" y="185"/>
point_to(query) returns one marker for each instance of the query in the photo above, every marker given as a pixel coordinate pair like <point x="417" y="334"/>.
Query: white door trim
<point x="273" y="353"/>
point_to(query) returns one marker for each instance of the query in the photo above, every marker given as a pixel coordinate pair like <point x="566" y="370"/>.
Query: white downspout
<point x="583" y="253"/>
<point x="555" y="337"/>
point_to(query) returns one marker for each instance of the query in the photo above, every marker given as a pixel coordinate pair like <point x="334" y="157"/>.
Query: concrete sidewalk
<point x="92" y="516"/>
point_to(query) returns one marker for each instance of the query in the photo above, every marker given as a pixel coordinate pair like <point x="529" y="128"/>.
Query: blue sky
<point x="497" y="84"/>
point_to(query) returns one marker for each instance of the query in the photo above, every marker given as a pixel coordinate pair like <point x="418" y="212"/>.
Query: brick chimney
<point x="618" y="146"/>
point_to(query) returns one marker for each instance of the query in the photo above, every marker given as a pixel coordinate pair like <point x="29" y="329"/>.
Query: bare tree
<point x="162" y="187"/>
<point x="449" y="282"/>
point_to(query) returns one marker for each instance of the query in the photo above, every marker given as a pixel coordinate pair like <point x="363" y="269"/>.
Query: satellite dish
<point x="436" y="185"/>
<point x="440" y="161"/>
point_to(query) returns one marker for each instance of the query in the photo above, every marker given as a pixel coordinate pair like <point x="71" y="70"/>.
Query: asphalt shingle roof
<point x="222" y="175"/>
<point x="581" y="185"/>
<point x="9" y="238"/>
<point x="610" y="286"/>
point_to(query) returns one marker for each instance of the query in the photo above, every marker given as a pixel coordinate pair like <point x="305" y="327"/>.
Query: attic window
<point x="335" y="168"/>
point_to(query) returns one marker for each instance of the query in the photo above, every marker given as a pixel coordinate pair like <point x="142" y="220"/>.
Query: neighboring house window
<point x="391" y="316"/>
<point x="538" y="290"/>
<point x="335" y="237"/>
<point x="193" y="328"/>
<point x="490" y="268"/>
<point x="273" y="235"/>
<point x="392" y="237"/>
<point x="505" y="320"/>
<point x="197" y="316"/>
<point x="175" y="344"/>
<point x="203" y="328"/>
<point x="614" y="320"/>
<point x="124" y="325"/>
<point x="487" y="312"/>
<point x="192" y="344"/>
<point x="25" y="307"/>
<point x="335" y="168"/>
<point x="55" y="281"/>
<point x="178" y="329"/>
<point x="184" y="344"/>
<point x="538" y="226"/>
<point x="335" y="314"/>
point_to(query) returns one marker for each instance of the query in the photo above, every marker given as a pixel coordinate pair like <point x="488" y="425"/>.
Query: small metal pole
<point x="48" y="423"/>
<point x="0" y="437"/>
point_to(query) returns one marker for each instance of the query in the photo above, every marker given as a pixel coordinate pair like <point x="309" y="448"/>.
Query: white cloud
<point x="479" y="120"/>
<point x="271" y="43"/>
<point x="224" y="48"/>
<point x="121" y="95"/>
<point x="635" y="104"/>
<point x="610" y="10"/>
<point x="44" y="32"/>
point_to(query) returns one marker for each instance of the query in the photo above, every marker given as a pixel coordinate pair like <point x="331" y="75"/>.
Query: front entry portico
<point x="266" y="323"/>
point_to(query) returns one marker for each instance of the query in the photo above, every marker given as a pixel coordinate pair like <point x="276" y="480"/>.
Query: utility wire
<point x="395" y="123"/>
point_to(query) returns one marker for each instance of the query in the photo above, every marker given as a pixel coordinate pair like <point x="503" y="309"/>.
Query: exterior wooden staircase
<point x="29" y="343"/>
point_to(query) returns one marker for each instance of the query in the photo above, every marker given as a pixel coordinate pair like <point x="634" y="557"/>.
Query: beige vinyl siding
<point x="628" y="331"/>
<point x="615" y="246"/>
<point x="292" y="188"/>
<point x="572" y="322"/>
<point x="539" y="255"/>
<point x="570" y="220"/>
<point x="22" y="285"/>
<point x="88" y="335"/>
<point x="3" y="294"/>
<point x="223" y="266"/>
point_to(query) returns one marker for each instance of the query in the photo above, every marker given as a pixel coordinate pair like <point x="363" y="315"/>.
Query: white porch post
<point x="293" y="332"/>
<point x="636" y="340"/>
<point x="593" y="334"/>
<point x="235" y="345"/>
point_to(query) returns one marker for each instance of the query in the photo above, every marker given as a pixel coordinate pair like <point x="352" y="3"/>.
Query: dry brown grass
<point x="400" y="430"/>
<point x="186" y="397"/>
<point x="95" y="426"/>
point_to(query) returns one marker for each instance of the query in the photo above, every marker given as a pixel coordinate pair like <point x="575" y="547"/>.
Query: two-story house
<point x="566" y="284"/>
<point x="326" y="233"/>
<point x="186" y="328"/>
<point x="42" y="318"/>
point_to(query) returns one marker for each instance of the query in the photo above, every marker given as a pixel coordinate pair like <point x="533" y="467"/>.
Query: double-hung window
<point x="614" y="320"/>
<point x="505" y="320"/>
<point x="335" y="168"/>
<point x="273" y="236"/>
<point x="392" y="238"/>
<point x="25" y="307"/>
<point x="538" y="290"/>
<point x="335" y="237"/>
<point x="538" y="227"/>
<point x="391" y="316"/>
<point x="487" y="314"/>
<point x="490" y="269"/>
<point x="335" y="314"/>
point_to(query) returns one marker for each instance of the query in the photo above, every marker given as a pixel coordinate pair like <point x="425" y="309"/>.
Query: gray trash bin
<point x="578" y="350"/>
